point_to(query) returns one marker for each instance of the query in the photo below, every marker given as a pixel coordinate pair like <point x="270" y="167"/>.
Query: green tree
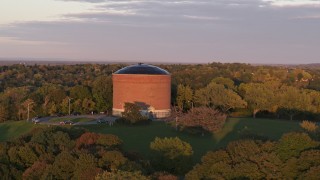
<point x="184" y="97"/>
<point x="227" y="82"/>
<point x="102" y="93"/>
<point x="218" y="96"/>
<point x="112" y="160"/>
<point x="292" y="144"/>
<point x="86" y="167"/>
<point x="63" y="166"/>
<point x="80" y="92"/>
<point x="215" y="165"/>
<point x="294" y="101"/>
<point x="258" y="96"/>
<point x="172" y="155"/>
<point x="132" y="114"/>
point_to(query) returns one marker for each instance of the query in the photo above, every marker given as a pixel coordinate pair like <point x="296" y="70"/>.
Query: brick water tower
<point x="145" y="85"/>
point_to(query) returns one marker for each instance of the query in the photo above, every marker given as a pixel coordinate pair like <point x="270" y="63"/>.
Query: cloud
<point x="310" y="17"/>
<point x="205" y="18"/>
<point x="168" y="30"/>
<point x="17" y="41"/>
<point x="294" y="3"/>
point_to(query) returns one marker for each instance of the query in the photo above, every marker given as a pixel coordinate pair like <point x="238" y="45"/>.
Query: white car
<point x="35" y="120"/>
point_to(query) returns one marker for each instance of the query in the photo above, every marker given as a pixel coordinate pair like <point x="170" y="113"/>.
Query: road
<point x="46" y="120"/>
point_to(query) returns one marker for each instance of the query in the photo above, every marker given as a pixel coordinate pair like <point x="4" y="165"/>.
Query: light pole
<point x="29" y="110"/>
<point x="69" y="104"/>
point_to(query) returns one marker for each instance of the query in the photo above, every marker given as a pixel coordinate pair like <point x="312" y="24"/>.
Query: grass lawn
<point x="11" y="130"/>
<point x="138" y="138"/>
<point x="73" y="119"/>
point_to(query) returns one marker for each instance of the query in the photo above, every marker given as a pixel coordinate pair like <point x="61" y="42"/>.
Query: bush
<point x="309" y="126"/>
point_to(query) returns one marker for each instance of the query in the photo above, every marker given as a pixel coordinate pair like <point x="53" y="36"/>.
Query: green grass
<point x="10" y="130"/>
<point x="138" y="138"/>
<point x="73" y="119"/>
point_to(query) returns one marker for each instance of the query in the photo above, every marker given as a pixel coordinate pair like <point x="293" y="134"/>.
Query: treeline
<point x="47" y="90"/>
<point x="60" y="153"/>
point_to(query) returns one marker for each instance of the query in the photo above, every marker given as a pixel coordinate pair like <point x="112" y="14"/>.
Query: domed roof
<point x="142" y="69"/>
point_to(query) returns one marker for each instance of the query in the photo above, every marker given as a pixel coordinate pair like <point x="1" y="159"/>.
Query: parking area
<point x="75" y="120"/>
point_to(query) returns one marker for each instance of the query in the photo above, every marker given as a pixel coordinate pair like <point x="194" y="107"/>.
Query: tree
<point x="87" y="139"/>
<point x="258" y="96"/>
<point x="27" y="108"/>
<point x="121" y="175"/>
<point x="86" y="167"/>
<point x="132" y="114"/>
<point x="63" y="166"/>
<point x="205" y="118"/>
<point x="3" y="113"/>
<point x="309" y="126"/>
<point x="218" y="96"/>
<point x="109" y="141"/>
<point x="88" y="105"/>
<point x="171" y="154"/>
<point x="184" y="97"/>
<point x="102" y="93"/>
<point x="227" y="82"/>
<point x="112" y="160"/>
<point x="80" y="92"/>
<point x="215" y="165"/>
<point x="36" y="171"/>
<point x="292" y="144"/>
<point x="294" y="101"/>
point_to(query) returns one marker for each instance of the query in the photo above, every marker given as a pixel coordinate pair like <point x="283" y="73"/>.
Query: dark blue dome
<point x="142" y="69"/>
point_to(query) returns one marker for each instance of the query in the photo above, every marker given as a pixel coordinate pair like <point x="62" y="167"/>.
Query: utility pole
<point x="29" y="110"/>
<point x="69" y="104"/>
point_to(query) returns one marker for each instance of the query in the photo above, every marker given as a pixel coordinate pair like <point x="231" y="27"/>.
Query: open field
<point x="138" y="138"/>
<point x="11" y="130"/>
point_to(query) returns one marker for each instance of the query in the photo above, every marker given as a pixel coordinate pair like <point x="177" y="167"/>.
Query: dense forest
<point x="235" y="89"/>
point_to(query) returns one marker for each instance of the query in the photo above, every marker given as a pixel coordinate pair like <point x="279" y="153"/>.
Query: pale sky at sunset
<point x="186" y="31"/>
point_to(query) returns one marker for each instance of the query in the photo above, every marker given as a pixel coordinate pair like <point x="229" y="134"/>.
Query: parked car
<point x="76" y="114"/>
<point x="99" y="121"/>
<point x="58" y="115"/>
<point x="66" y="122"/>
<point x="35" y="120"/>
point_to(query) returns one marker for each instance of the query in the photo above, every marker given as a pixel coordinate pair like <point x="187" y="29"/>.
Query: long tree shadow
<point x="263" y="129"/>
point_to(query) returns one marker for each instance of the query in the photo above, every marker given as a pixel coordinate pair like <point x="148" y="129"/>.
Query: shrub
<point x="309" y="126"/>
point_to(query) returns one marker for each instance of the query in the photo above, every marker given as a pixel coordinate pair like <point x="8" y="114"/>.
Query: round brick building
<point x="145" y="85"/>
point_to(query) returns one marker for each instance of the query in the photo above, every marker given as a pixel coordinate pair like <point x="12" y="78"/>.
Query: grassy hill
<point x="14" y="129"/>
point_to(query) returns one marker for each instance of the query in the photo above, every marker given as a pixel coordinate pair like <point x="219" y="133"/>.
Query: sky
<point x="185" y="31"/>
